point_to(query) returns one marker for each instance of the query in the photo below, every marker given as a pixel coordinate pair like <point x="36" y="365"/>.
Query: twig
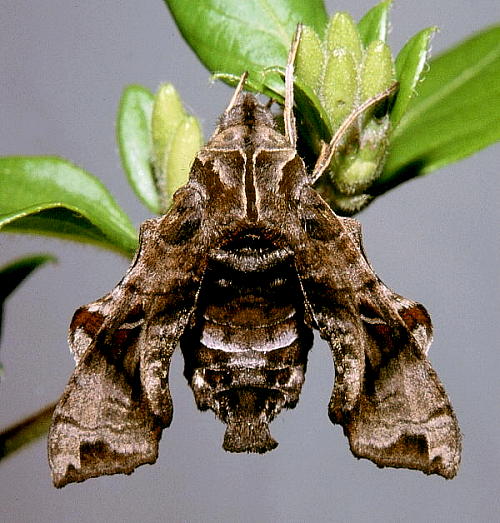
<point x="26" y="431"/>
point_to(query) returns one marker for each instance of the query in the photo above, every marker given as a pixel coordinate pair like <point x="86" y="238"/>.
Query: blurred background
<point x="434" y="239"/>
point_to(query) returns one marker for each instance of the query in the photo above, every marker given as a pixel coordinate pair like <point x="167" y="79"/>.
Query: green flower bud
<point x="339" y="86"/>
<point x="342" y="203"/>
<point x="377" y="72"/>
<point x="342" y="33"/>
<point x="349" y="205"/>
<point x="358" y="171"/>
<point x="168" y="113"/>
<point x="176" y="140"/>
<point x="309" y="60"/>
<point x="356" y="177"/>
<point x="185" y="144"/>
<point x="355" y="171"/>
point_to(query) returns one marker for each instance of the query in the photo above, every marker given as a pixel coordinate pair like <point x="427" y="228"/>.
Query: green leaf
<point x="49" y="195"/>
<point x="134" y="140"/>
<point x="233" y="36"/>
<point x="410" y="64"/>
<point x="13" y="274"/>
<point x="375" y="23"/>
<point x="456" y="114"/>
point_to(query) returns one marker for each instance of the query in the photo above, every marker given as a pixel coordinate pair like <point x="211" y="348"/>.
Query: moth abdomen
<point x="250" y="299"/>
<point x="246" y="354"/>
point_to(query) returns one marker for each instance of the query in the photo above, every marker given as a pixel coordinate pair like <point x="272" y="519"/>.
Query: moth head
<point x="245" y="110"/>
<point x="244" y="126"/>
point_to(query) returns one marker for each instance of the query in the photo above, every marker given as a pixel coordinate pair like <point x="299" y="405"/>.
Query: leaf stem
<point x="26" y="431"/>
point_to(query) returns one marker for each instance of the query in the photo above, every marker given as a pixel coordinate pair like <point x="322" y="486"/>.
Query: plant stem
<point x="26" y="431"/>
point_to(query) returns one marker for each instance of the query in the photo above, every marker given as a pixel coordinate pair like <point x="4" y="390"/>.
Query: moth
<point x="249" y="261"/>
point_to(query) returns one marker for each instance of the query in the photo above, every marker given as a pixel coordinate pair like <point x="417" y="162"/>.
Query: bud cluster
<point x="340" y="73"/>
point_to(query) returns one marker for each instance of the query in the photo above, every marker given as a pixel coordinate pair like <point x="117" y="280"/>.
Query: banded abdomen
<point x="247" y="351"/>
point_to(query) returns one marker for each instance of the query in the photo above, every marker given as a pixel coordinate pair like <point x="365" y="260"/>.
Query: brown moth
<point x="246" y="263"/>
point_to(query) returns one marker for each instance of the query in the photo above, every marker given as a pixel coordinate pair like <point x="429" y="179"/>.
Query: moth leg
<point x="288" y="116"/>
<point x="386" y="396"/>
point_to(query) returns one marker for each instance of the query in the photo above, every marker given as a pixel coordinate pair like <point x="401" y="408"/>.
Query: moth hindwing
<point x="248" y="261"/>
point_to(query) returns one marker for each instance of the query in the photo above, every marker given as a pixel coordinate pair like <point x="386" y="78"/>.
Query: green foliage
<point x="410" y="64"/>
<point x="48" y="195"/>
<point x="176" y="138"/>
<point x="375" y="24"/>
<point x="133" y="130"/>
<point x="341" y="71"/>
<point x="27" y="431"/>
<point x="158" y="141"/>
<point x="234" y="36"/>
<point x="14" y="273"/>
<point x="456" y="112"/>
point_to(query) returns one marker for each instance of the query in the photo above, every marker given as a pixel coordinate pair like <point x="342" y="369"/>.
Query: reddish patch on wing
<point x="89" y="321"/>
<point x="416" y="316"/>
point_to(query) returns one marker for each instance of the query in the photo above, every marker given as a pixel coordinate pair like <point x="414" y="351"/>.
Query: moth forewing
<point x="386" y="396"/>
<point x="110" y="417"/>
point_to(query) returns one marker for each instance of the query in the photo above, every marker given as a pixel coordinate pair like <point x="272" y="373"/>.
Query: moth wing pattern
<point x="386" y="396"/>
<point x="250" y="207"/>
<point x="110" y="417"/>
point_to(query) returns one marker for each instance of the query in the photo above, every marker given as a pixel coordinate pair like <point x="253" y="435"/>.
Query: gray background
<point x="435" y="239"/>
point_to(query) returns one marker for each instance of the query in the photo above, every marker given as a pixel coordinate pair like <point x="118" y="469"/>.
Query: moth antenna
<point x="288" y="116"/>
<point x="328" y="150"/>
<point x="269" y="103"/>
<point x="237" y="92"/>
